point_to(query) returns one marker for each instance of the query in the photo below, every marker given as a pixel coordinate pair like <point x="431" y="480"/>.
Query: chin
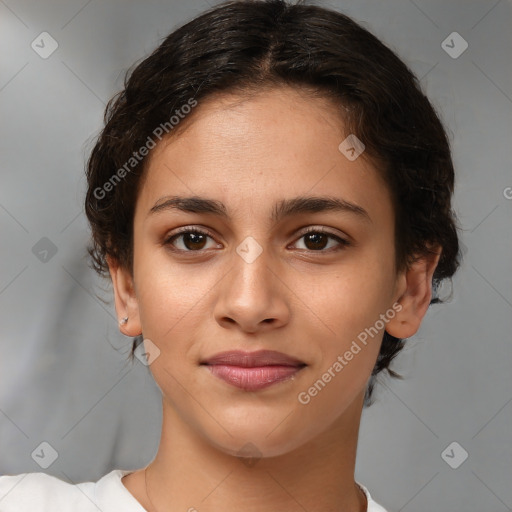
<point x="259" y="440"/>
<point x="255" y="448"/>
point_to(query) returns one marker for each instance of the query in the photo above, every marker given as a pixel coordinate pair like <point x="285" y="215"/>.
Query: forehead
<point x="252" y="150"/>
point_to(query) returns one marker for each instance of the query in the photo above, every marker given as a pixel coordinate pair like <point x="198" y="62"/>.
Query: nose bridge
<point x="252" y="295"/>
<point x="252" y="267"/>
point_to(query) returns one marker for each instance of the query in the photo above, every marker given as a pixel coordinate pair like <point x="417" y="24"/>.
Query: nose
<point x="252" y="297"/>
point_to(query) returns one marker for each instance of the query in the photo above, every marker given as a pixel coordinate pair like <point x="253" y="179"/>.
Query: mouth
<point x="252" y="371"/>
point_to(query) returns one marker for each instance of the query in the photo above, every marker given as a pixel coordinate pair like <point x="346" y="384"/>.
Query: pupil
<point x="194" y="238"/>
<point x="314" y="237"/>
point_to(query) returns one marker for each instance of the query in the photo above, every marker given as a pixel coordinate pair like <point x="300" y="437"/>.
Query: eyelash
<point x="343" y="243"/>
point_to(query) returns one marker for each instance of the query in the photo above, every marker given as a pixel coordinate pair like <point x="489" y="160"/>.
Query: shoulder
<point x="39" y="492"/>
<point x="373" y="506"/>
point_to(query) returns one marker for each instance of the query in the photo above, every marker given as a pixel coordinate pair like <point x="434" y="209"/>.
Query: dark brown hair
<point x="244" y="46"/>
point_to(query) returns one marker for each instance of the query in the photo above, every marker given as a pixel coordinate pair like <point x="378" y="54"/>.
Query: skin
<point x="305" y="300"/>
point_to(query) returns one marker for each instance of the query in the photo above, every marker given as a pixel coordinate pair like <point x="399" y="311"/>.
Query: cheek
<point x="168" y="304"/>
<point x="175" y="305"/>
<point x="166" y="294"/>
<point x="349" y="300"/>
<point x="351" y="306"/>
<point x="346" y="352"/>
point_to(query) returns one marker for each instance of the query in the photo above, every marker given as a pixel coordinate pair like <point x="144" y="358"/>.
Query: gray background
<point x="64" y="378"/>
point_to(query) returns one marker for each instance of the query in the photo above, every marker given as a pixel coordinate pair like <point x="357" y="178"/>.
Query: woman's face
<point x="253" y="279"/>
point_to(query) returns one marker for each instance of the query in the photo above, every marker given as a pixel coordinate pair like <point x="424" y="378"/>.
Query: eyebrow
<point x="282" y="209"/>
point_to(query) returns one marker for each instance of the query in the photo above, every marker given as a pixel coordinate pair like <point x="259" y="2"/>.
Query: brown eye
<point x="317" y="239"/>
<point x="192" y="240"/>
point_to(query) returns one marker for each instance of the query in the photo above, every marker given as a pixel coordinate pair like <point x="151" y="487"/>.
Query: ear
<point x="126" y="302"/>
<point x="414" y="287"/>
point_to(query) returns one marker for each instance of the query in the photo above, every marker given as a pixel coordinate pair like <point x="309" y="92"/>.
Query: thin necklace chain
<point x="147" y="493"/>
<point x="155" y="509"/>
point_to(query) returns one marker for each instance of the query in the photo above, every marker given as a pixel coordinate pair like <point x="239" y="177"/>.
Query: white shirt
<point x="39" y="492"/>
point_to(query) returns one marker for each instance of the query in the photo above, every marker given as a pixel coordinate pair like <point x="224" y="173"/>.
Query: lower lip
<point x="253" y="379"/>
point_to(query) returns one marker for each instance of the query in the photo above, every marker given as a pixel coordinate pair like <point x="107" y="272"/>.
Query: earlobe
<point x="415" y="295"/>
<point x="125" y="299"/>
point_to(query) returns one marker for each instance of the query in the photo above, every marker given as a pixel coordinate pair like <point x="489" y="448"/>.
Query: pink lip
<point x="252" y="371"/>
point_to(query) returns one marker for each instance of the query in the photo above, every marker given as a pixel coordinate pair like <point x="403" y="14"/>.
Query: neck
<point x="189" y="473"/>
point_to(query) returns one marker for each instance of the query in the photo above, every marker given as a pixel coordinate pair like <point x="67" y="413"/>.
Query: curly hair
<point x="244" y="46"/>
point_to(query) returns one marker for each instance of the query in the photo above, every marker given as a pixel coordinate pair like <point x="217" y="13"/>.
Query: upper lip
<point x="253" y="359"/>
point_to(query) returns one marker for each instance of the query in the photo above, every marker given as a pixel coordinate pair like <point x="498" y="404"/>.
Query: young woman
<point x="271" y="197"/>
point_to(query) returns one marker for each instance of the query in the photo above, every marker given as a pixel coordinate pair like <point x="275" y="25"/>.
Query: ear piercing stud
<point x="123" y="320"/>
